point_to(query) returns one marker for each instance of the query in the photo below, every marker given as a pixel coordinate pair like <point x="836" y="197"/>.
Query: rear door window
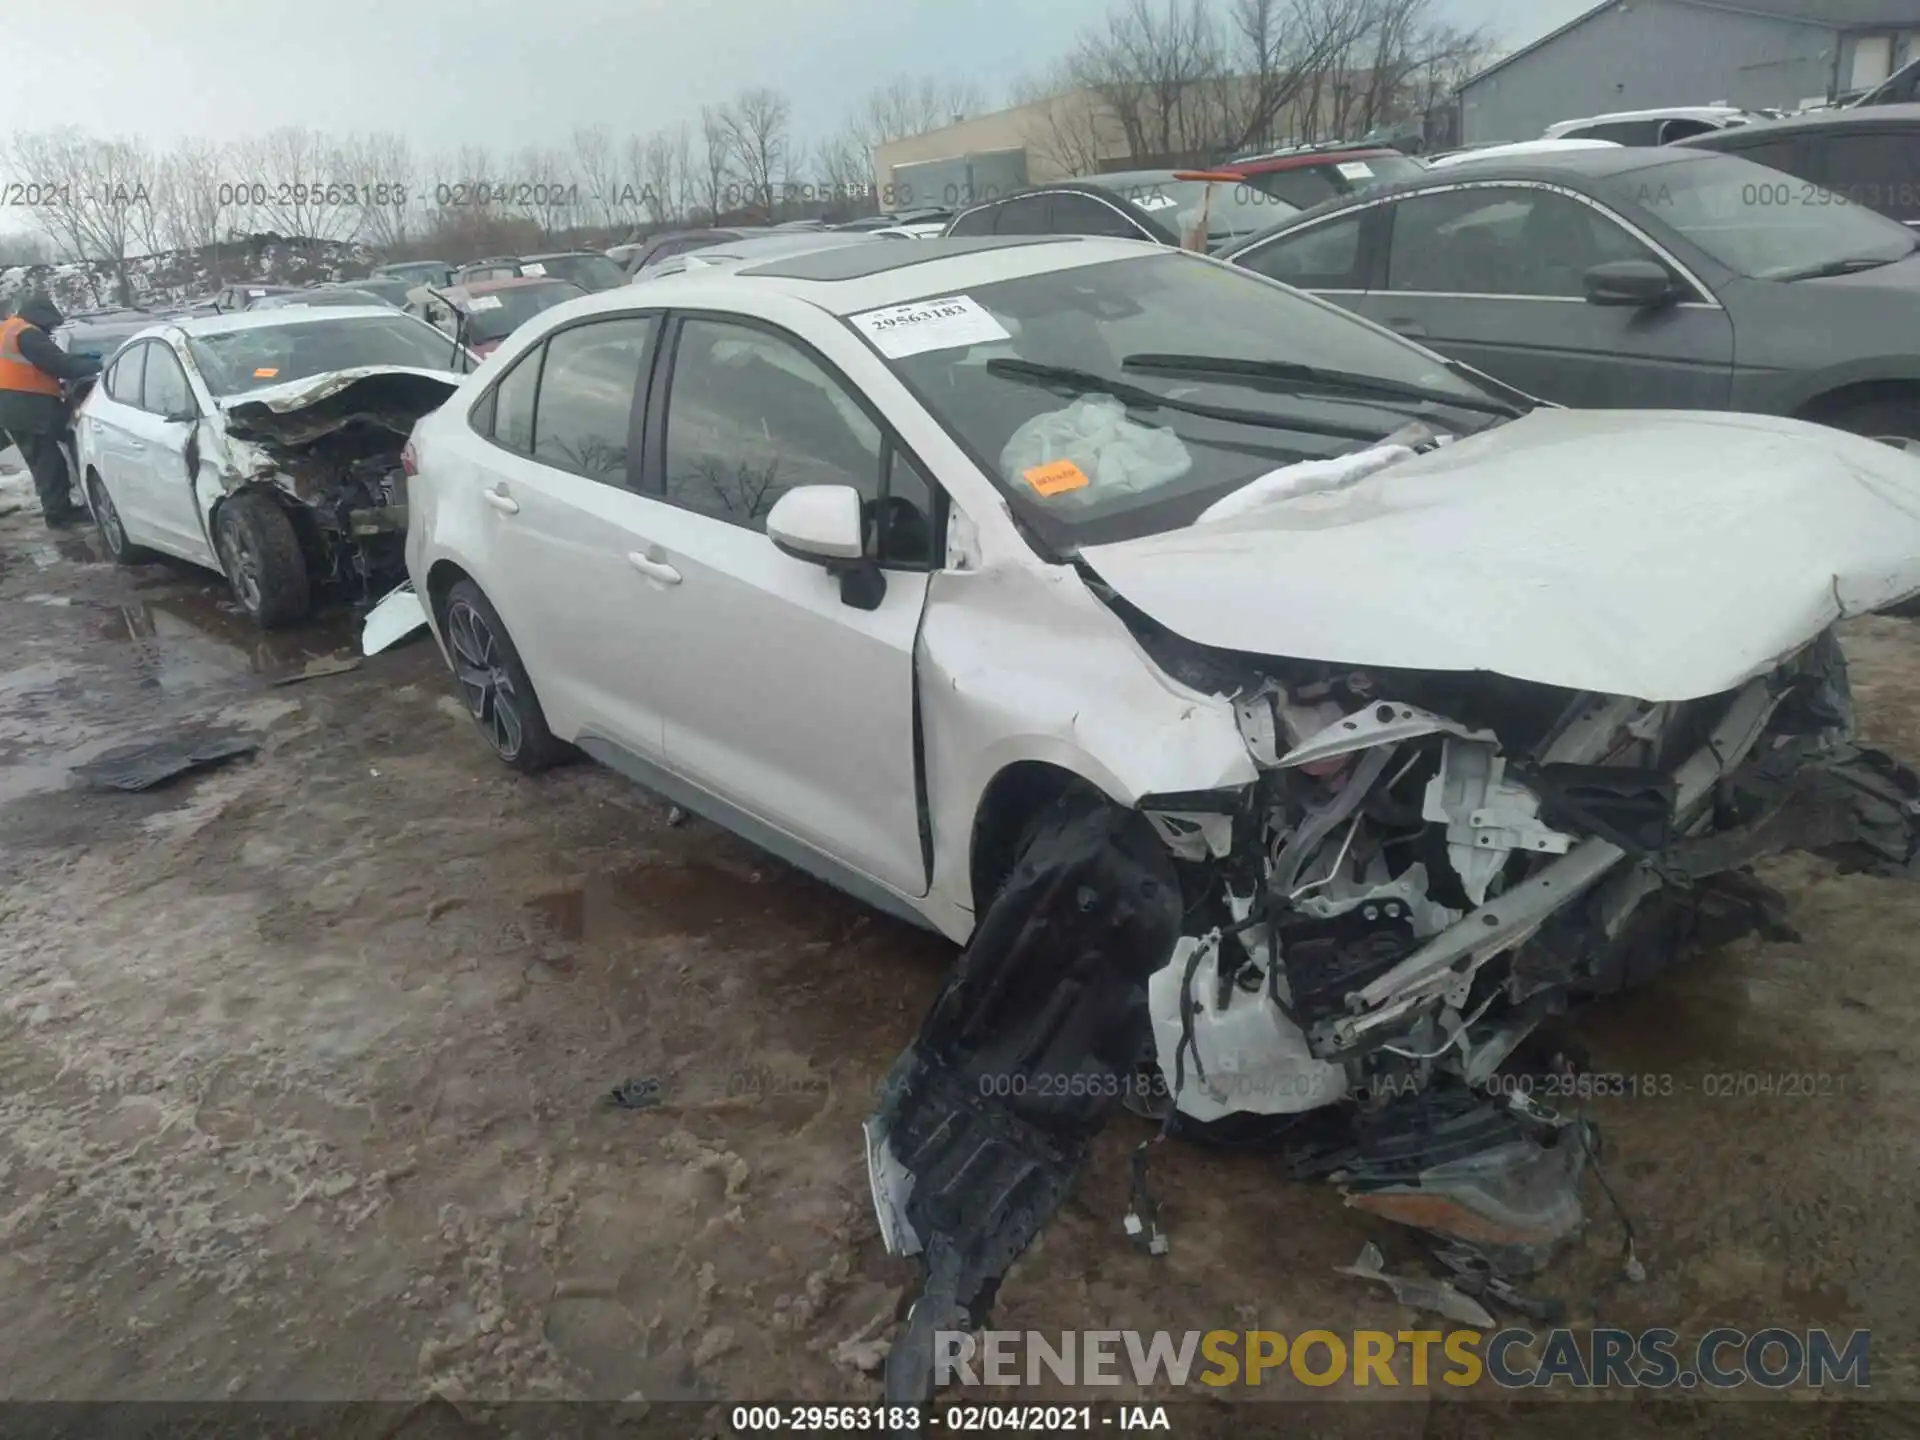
<point x="1321" y="257"/>
<point x="587" y="392"/>
<point x="1084" y="215"/>
<point x="1879" y="169"/>
<point x="124" y="379"/>
<point x="1028" y="215"/>
<point x="165" y="390"/>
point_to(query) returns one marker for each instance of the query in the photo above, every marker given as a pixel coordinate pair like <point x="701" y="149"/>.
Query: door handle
<point x="653" y="569"/>
<point x="501" y="501"/>
<point x="1413" y="329"/>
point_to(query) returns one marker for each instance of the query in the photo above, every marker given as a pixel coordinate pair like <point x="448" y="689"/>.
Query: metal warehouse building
<point x="1641" y="54"/>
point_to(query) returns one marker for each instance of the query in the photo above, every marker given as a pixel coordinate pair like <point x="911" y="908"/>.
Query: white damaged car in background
<point x="265" y="445"/>
<point x="1287" y="719"/>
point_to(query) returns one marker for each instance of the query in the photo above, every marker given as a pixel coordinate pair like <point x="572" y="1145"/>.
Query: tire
<point x="493" y="684"/>
<point x="113" y="533"/>
<point x="1896" y="417"/>
<point x="261" y="557"/>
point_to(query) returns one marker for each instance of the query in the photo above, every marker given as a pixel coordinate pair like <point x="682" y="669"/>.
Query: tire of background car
<point x="261" y="557"/>
<point x="113" y="534"/>
<point x="493" y="684"/>
<point x="1896" y="415"/>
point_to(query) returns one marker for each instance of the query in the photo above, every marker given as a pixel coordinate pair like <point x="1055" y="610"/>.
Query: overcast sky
<point x="508" y="75"/>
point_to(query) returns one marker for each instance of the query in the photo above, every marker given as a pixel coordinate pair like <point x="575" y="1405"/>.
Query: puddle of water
<point x="696" y="898"/>
<point x="81" y="549"/>
<point x="197" y="638"/>
<point x="42" y="675"/>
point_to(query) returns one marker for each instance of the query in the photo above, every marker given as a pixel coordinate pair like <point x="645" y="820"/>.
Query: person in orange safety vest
<point x="33" y="411"/>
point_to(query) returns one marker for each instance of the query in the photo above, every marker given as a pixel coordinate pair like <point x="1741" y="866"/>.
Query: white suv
<point x="1277" y="707"/>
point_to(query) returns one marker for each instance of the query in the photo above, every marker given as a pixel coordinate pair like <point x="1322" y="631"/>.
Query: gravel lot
<point x="302" y="1066"/>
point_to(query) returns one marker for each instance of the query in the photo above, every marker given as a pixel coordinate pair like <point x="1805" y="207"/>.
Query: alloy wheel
<point x="108" y="518"/>
<point x="479" y="665"/>
<point x="242" y="565"/>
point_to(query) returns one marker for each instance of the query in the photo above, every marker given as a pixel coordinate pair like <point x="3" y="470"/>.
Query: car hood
<point x="1664" y="555"/>
<point x="303" y="410"/>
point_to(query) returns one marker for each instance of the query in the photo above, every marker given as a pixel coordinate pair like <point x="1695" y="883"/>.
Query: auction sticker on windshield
<point x="485" y="302"/>
<point x="921" y="325"/>
<point x="1056" y="477"/>
<point x="533" y="267"/>
<point x="1356" y="170"/>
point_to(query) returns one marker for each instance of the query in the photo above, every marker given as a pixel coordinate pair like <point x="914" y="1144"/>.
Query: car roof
<point x="278" y="319"/>
<point x="1867" y="117"/>
<point x="1660" y="112"/>
<point x="1117" y="177"/>
<point x="1300" y="159"/>
<point x="774" y="245"/>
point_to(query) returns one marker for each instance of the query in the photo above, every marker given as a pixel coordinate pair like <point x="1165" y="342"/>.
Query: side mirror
<point x="1636" y="283"/>
<point x="824" y="525"/>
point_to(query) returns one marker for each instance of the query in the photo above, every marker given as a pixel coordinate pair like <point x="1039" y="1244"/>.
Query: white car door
<point x="780" y="696"/>
<point x="559" y="521"/>
<point x="157" y="436"/>
<point x="106" y="421"/>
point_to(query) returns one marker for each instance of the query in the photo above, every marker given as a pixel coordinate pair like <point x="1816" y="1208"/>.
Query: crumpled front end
<point x="1338" y="960"/>
<point x="332" y="445"/>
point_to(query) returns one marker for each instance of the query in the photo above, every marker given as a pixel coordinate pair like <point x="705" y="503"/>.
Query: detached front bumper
<point x="1336" y="963"/>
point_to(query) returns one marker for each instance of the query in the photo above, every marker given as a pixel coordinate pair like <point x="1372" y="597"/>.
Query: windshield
<point x="1084" y="467"/>
<point x="237" y="361"/>
<point x="1236" y="210"/>
<point x="596" y="272"/>
<point x="498" y="313"/>
<point x="1759" y="222"/>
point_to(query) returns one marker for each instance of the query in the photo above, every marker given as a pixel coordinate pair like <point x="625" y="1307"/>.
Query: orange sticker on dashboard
<point x="265" y="374"/>
<point x="1056" y="477"/>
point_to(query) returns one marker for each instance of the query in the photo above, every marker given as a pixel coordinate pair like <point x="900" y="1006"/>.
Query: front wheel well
<point x="1013" y="799"/>
<point x="1823" y="408"/>
<point x="442" y="576"/>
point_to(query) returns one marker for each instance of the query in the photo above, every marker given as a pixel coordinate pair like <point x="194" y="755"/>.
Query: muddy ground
<point x="302" y="1066"/>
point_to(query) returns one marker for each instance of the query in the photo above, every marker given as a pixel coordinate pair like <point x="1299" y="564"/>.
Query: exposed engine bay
<point x="1339" y="961"/>
<point x="336" y="449"/>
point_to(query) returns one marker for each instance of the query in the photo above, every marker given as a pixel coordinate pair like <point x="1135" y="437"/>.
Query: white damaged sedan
<point x="1287" y="719"/>
<point x="265" y="445"/>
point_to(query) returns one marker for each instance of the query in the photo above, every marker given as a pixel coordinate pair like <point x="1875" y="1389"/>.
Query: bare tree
<point x="1284" y="48"/>
<point x="294" y="183"/>
<point x="758" y="141"/>
<point x="381" y="169"/>
<point x="90" y="192"/>
<point x="658" y="180"/>
<point x="1070" y="130"/>
<point x="596" y="168"/>
<point x="684" y="179"/>
<point x="716" y="136"/>
<point x="1155" y="71"/>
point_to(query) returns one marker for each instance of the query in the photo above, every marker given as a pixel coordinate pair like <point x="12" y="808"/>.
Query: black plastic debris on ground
<point x="145" y="766"/>
<point x="642" y="1092"/>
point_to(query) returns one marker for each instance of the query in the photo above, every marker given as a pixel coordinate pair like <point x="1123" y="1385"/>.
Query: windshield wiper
<point x="1291" y="373"/>
<point x="1138" y="397"/>
<point x="1853" y="265"/>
